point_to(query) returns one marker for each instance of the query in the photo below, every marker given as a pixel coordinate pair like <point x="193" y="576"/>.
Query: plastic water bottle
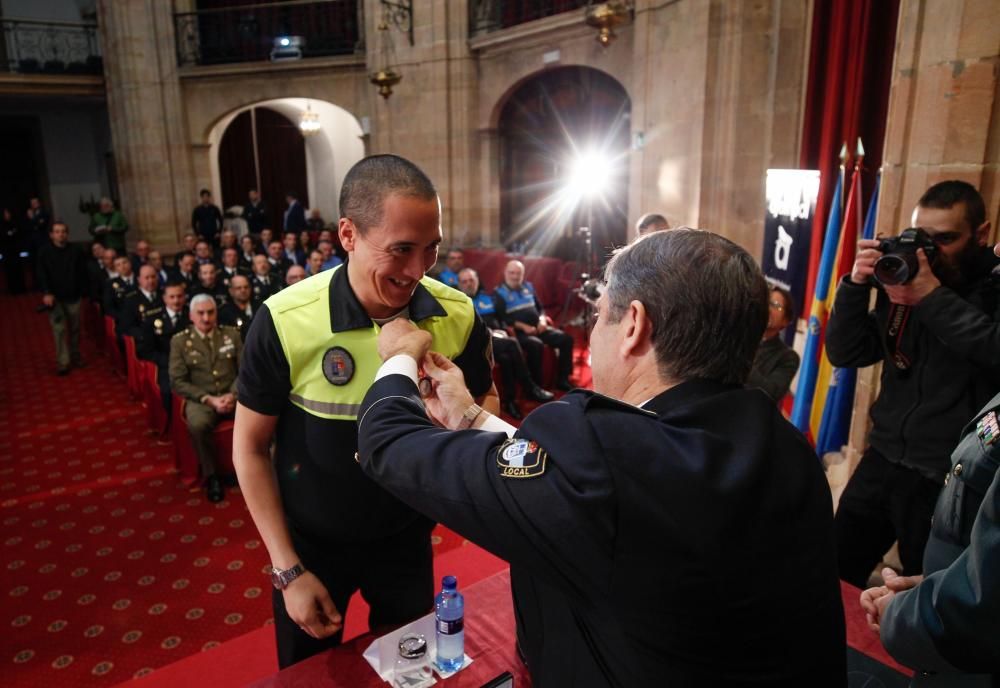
<point x="449" y="608"/>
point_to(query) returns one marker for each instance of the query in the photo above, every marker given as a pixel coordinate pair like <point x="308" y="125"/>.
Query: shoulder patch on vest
<point x="521" y="458"/>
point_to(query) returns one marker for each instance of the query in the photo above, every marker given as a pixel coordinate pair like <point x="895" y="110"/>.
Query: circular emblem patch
<point x="338" y="366"/>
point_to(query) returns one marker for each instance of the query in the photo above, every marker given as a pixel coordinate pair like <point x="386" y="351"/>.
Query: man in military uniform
<point x="209" y="283"/>
<point x="262" y="283"/>
<point x="239" y="309"/>
<point x="118" y="288"/>
<point x="519" y="307"/>
<point x="142" y="304"/>
<point x="204" y="362"/>
<point x="506" y="351"/>
<point x="153" y="343"/>
<point x="644" y="523"/>
<point x="309" y="358"/>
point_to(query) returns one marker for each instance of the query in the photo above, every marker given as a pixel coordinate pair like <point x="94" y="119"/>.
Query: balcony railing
<point x="247" y="33"/>
<point x="491" y="15"/>
<point x="31" y="46"/>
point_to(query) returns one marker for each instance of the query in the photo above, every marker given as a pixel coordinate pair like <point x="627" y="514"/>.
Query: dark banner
<point x="791" y="206"/>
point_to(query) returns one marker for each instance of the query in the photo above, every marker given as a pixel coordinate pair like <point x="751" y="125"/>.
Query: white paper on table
<point x="382" y="653"/>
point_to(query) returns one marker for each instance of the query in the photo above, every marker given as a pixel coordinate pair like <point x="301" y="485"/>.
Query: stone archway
<point x="329" y="153"/>
<point x="549" y="124"/>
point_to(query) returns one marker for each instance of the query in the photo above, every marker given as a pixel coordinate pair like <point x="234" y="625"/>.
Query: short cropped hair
<point x="650" y="219"/>
<point x="944" y="195"/>
<point x="200" y="298"/>
<point x="706" y="298"/>
<point x="371" y="180"/>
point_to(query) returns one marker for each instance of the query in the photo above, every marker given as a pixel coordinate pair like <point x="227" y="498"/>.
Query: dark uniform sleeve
<point x="556" y="520"/>
<point x="265" y="378"/>
<point x="476" y="360"/>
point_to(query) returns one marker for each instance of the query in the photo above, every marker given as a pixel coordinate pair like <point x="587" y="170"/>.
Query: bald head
<point x="147" y="278"/>
<point x="513" y="274"/>
<point x="296" y="273"/>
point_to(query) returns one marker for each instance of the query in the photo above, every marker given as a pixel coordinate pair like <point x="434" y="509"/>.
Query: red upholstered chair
<point x="111" y="345"/>
<point x="156" y="415"/>
<point x="184" y="456"/>
<point x="132" y="369"/>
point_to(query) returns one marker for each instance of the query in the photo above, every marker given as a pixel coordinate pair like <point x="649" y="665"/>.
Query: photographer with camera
<point x="935" y="326"/>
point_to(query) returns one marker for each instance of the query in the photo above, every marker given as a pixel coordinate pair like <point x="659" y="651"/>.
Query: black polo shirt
<point x="324" y="493"/>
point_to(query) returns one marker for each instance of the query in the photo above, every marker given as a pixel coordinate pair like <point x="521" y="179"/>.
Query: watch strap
<point x="469" y="417"/>
<point x="282" y="578"/>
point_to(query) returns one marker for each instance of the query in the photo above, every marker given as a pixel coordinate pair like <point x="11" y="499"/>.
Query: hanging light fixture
<point x="309" y="122"/>
<point x="400" y="15"/>
<point x="605" y="16"/>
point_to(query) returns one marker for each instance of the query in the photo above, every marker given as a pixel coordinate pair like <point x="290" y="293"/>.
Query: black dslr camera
<point x="898" y="264"/>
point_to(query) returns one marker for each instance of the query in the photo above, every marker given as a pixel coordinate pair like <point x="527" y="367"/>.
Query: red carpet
<point x="110" y="567"/>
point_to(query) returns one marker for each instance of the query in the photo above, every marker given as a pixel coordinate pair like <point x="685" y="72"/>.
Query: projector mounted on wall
<point x="287" y="48"/>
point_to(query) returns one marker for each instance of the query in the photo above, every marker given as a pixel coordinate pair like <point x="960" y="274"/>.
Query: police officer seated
<point x="517" y="306"/>
<point x="506" y="351"/>
<point x="279" y="262"/>
<point x="231" y="266"/>
<point x="239" y="309"/>
<point x="153" y="343"/>
<point x="454" y="262"/>
<point x="118" y="288"/>
<point x="142" y="304"/>
<point x="262" y="283"/>
<point x="185" y="271"/>
<point x="209" y="283"/>
<point x="650" y="524"/>
<point x="204" y="362"/>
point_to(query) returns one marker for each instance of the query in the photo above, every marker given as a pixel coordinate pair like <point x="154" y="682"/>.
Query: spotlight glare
<point x="589" y="175"/>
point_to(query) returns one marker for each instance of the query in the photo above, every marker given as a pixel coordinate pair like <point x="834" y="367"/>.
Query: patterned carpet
<point x="110" y="567"/>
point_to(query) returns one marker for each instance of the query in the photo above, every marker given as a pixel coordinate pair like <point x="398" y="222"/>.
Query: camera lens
<point x="894" y="268"/>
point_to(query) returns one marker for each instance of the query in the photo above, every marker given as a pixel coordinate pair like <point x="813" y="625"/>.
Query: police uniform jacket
<point x="217" y="291"/>
<point x="115" y="292"/>
<point x="154" y="341"/>
<point x="647" y="547"/>
<point x="256" y="216"/>
<point x="948" y="627"/>
<point x="206" y="365"/>
<point x="136" y="309"/>
<point x="261" y="291"/>
<point x="487" y="310"/>
<point x="309" y="358"/>
<point x="234" y="316"/>
<point x="517" y="305"/>
<point x="225" y="275"/>
<point x="448" y="277"/>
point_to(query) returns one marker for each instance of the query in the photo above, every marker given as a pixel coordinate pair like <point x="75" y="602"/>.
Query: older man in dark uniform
<point x="204" y="362"/>
<point x="239" y="309"/>
<point x="142" y="304"/>
<point x="647" y="524"/>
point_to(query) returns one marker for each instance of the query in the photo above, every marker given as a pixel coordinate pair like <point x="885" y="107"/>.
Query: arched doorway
<point x="564" y="146"/>
<point x="264" y="150"/>
<point x="261" y="146"/>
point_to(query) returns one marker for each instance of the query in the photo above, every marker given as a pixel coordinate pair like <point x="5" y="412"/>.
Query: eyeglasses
<point x="777" y="305"/>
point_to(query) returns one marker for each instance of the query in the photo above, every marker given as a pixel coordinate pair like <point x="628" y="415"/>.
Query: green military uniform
<point x="202" y="366"/>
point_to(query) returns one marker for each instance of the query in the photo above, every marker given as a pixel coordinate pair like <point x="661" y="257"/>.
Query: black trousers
<point x="513" y="368"/>
<point x="882" y="503"/>
<point x="534" y="345"/>
<point x="395" y="576"/>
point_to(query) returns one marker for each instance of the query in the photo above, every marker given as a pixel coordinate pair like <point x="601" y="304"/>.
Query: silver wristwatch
<point x="469" y="417"/>
<point x="280" y="579"/>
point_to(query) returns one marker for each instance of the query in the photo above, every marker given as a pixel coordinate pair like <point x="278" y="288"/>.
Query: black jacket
<point x="643" y="544"/>
<point x="62" y="272"/>
<point x="953" y="342"/>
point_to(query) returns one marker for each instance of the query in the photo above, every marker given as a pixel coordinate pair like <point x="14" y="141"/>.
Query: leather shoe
<point x="536" y="393"/>
<point x="564" y="384"/>
<point x="214" y="490"/>
<point x="511" y="409"/>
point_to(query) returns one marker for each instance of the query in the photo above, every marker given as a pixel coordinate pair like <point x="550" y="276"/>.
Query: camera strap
<point x="899" y="315"/>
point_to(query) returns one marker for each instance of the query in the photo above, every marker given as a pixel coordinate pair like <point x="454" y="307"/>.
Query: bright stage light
<point x="589" y="175"/>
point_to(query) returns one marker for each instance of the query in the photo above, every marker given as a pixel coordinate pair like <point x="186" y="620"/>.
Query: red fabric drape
<point x="850" y="69"/>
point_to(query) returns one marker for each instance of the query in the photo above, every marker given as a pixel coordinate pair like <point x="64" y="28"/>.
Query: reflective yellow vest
<point x="331" y="371"/>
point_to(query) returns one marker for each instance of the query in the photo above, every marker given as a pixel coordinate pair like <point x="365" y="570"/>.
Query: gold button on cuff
<point x="958" y="469"/>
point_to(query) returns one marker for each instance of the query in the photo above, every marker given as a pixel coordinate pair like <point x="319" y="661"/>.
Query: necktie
<point x="173" y="320"/>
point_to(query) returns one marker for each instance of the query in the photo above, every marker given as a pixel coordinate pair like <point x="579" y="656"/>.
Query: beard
<point x="958" y="271"/>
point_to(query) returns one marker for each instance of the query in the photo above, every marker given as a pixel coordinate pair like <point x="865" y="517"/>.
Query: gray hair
<point x="200" y="298"/>
<point x="706" y="298"/>
<point x="372" y="179"/>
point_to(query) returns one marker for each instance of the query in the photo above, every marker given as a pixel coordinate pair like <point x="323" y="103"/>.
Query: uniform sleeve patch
<point x="521" y="458"/>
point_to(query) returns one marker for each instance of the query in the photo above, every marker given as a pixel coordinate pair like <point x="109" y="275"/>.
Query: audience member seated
<point x="226" y="240"/>
<point x="203" y="253"/>
<point x="293" y="254"/>
<point x="96" y="272"/>
<point x="206" y="219"/>
<point x="189" y="241"/>
<point x="239" y="309"/>
<point x="776" y="363"/>
<point x="117" y="289"/>
<point x="264" y="240"/>
<point x="651" y="222"/>
<point x="330" y="259"/>
<point x="305" y="242"/>
<point x="296" y="273"/>
<point x="248" y="249"/>
<point x="209" y="283"/>
<point x="518" y="307"/>
<point x="162" y="274"/>
<point x="453" y="265"/>
<point x="141" y="255"/>
<point x="262" y="283"/>
<point x="315" y="223"/>
<point x="108" y="226"/>
<point x="204" y="362"/>
<point x="315" y="264"/>
<point x="506" y="351"/>
<point x="186" y="271"/>
<point x="231" y="266"/>
<point x="334" y="238"/>
<point x="279" y="263"/>
<point x="153" y="343"/>
<point x="142" y="304"/>
<point x="255" y="212"/>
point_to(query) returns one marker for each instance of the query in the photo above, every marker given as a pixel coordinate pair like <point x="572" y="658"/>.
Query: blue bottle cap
<point x="449" y="582"/>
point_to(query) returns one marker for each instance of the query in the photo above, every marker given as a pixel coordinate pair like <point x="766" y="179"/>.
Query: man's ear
<point x="348" y="234"/>
<point x="982" y="234"/>
<point x="637" y="330"/>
